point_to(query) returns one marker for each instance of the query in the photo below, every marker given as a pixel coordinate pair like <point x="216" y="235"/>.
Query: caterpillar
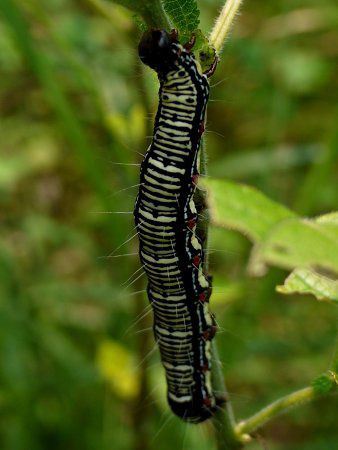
<point x="166" y="219"/>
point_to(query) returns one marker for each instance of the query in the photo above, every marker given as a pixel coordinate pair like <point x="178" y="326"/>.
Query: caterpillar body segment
<point x="166" y="219"/>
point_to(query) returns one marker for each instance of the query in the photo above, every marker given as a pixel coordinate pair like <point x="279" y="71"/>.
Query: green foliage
<point x="184" y="14"/>
<point x="335" y="367"/>
<point x="128" y="4"/>
<point x="304" y="281"/>
<point x="280" y="238"/>
<point x="302" y="242"/>
<point x="74" y="110"/>
<point x="243" y="208"/>
<point x="206" y="53"/>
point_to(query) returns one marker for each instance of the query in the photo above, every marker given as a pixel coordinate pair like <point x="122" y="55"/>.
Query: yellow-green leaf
<point x="243" y="208"/>
<point x="328" y="218"/>
<point x="302" y="243"/>
<point x="280" y="238"/>
<point x="304" y="281"/>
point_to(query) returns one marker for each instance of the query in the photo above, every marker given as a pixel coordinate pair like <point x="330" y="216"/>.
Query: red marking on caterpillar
<point x="165" y="216"/>
<point x="191" y="223"/>
<point x="209" y="333"/>
<point x="201" y="128"/>
<point x="196" y="260"/>
<point x="205" y="368"/>
<point x="194" y="179"/>
<point x="207" y="402"/>
<point x="202" y="297"/>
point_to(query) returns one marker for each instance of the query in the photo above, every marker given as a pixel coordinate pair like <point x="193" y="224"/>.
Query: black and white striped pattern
<point x="170" y="250"/>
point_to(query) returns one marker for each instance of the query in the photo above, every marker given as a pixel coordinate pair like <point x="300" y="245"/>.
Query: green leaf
<point x="328" y="218"/>
<point x="304" y="281"/>
<point x="281" y="238"/>
<point x="183" y="13"/>
<point x="302" y="243"/>
<point x="243" y="208"/>
<point x="206" y="53"/>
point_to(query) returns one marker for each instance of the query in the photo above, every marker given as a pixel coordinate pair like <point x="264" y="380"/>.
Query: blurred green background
<point x="78" y="368"/>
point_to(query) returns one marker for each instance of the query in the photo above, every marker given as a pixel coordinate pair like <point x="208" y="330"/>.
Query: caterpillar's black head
<point x="157" y="51"/>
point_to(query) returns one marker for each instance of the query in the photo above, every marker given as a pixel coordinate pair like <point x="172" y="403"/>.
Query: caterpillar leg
<point x="212" y="68"/>
<point x="190" y="44"/>
<point x="174" y="35"/>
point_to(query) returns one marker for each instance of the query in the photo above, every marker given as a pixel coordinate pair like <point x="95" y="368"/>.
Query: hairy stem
<point x="224" y="24"/>
<point x="154" y="15"/>
<point x="321" y="386"/>
<point x="276" y="408"/>
<point x="223" y="420"/>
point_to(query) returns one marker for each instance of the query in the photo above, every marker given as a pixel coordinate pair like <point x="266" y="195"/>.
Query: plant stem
<point x="223" y="24"/>
<point x="275" y="409"/>
<point x="323" y="385"/>
<point x="154" y="15"/>
<point x="151" y="11"/>
<point x="223" y="420"/>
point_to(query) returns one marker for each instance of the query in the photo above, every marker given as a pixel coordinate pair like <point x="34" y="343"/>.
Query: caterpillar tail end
<point x="193" y="412"/>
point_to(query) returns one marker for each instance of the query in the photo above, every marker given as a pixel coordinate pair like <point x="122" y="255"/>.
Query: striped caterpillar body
<point x="166" y="219"/>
